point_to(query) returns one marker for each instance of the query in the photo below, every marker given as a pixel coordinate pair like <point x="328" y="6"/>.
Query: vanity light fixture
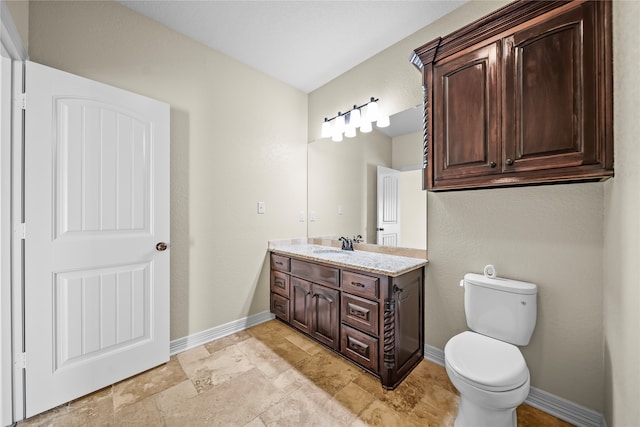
<point x="358" y="117"/>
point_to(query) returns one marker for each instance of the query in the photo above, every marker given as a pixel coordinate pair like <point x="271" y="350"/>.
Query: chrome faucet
<point x="347" y="244"/>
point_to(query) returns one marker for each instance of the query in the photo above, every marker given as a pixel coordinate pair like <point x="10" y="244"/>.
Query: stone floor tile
<point x="147" y="383"/>
<point x="142" y="413"/>
<point x="218" y="368"/>
<point x="225" y="342"/>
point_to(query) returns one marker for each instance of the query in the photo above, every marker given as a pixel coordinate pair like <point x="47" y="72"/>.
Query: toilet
<point x="485" y="364"/>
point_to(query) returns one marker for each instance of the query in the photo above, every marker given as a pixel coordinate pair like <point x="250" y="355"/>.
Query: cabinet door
<point x="324" y="315"/>
<point x="550" y="93"/>
<point x="407" y="293"/>
<point x="300" y="314"/>
<point x="466" y="126"/>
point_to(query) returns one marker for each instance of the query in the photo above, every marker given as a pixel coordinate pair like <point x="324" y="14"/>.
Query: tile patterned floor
<point x="269" y="375"/>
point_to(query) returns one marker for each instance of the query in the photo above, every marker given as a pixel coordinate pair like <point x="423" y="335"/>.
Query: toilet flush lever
<point x="462" y="283"/>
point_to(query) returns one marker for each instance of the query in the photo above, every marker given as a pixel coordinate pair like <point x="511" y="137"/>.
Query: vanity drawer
<point x="360" y="313"/>
<point x="280" y="307"/>
<point x="360" y="284"/>
<point x="280" y="283"/>
<point x="279" y="262"/>
<point x="316" y="273"/>
<point x="360" y="347"/>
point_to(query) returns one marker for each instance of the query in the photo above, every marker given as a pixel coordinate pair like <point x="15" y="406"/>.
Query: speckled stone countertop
<point x="390" y="265"/>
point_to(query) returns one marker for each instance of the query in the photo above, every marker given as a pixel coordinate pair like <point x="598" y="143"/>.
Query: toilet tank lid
<point x="501" y="284"/>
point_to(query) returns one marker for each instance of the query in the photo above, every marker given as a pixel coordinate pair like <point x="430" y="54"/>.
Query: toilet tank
<point x="501" y="308"/>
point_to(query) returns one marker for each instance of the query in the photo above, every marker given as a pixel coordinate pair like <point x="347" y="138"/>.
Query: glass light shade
<point x="350" y="132"/>
<point x="383" y="121"/>
<point x="326" y="129"/>
<point x="372" y="111"/>
<point x="336" y="136"/>
<point x="355" y="119"/>
<point x="365" y="126"/>
<point x="339" y="124"/>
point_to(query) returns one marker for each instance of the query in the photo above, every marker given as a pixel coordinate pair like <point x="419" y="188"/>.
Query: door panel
<point x="388" y="207"/>
<point x="466" y="114"/>
<point x="96" y="204"/>
<point x="324" y="317"/>
<point x="550" y="110"/>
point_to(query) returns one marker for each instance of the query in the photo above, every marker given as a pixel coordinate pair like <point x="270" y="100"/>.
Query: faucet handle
<point x="357" y="239"/>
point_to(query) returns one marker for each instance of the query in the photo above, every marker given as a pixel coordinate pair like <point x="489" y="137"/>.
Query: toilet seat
<point x="485" y="362"/>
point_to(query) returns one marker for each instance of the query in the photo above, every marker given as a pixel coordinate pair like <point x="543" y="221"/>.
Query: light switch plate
<point x="260" y="207"/>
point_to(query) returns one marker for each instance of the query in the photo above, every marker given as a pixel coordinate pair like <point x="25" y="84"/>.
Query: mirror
<point x="343" y="185"/>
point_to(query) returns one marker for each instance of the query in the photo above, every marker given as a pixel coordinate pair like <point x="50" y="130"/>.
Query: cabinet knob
<point x="509" y="162"/>
<point x="492" y="164"/>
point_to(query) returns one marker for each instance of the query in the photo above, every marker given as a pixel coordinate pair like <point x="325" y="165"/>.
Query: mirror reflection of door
<point x="388" y="225"/>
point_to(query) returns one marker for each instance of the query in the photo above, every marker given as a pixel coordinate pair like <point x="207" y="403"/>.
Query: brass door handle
<point x="161" y="246"/>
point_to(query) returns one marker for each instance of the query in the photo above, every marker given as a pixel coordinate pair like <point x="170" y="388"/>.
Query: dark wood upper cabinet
<point x="522" y="96"/>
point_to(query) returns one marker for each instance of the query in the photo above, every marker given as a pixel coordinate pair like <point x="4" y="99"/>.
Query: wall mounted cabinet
<point x="521" y="96"/>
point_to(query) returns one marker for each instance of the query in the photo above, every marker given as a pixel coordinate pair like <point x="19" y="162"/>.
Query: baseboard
<point x="564" y="409"/>
<point x="191" y="341"/>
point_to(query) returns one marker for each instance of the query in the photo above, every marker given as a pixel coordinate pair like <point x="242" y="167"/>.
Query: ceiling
<point x="302" y="43"/>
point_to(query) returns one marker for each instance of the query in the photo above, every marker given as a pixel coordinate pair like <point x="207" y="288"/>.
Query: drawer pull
<point x="358" y="284"/>
<point x="279" y="263"/>
<point x="358" y="313"/>
<point x="279" y="306"/>
<point x="357" y="346"/>
<point x="280" y="283"/>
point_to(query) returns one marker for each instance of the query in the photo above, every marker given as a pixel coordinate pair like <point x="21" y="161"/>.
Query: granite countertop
<point x="390" y="265"/>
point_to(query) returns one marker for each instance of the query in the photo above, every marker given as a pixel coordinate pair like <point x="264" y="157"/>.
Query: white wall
<point x="549" y="235"/>
<point x="237" y="136"/>
<point x="622" y="228"/>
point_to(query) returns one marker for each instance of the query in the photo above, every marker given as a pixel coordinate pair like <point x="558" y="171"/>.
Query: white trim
<point x="564" y="409"/>
<point x="11" y="40"/>
<point x="16" y="250"/>
<point x="6" y="377"/>
<point x="191" y="341"/>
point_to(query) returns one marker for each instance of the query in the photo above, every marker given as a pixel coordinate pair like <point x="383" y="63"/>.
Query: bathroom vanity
<point x="368" y="307"/>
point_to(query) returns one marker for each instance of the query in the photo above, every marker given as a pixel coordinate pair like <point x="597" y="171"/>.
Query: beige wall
<point x="549" y="235"/>
<point x="237" y="136"/>
<point x="19" y="10"/>
<point x="344" y="173"/>
<point x="622" y="229"/>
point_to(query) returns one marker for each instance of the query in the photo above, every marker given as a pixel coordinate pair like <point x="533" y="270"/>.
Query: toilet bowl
<point x="484" y="364"/>
<point x="491" y="376"/>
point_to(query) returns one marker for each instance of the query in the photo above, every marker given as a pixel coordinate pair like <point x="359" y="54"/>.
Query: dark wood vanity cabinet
<point x="521" y="96"/>
<point x="373" y="320"/>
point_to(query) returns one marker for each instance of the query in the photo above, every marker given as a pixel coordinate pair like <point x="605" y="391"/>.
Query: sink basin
<point x="330" y="251"/>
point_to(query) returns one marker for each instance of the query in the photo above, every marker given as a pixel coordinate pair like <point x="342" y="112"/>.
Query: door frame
<point x="11" y="379"/>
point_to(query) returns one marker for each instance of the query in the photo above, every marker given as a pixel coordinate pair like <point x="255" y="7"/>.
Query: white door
<point x="96" y="205"/>
<point x="388" y="207"/>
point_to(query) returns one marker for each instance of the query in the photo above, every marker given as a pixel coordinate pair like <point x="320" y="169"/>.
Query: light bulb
<point x="355" y="119"/>
<point x="365" y="126"/>
<point x="339" y="123"/>
<point x="372" y="111"/>
<point x="383" y="121"/>
<point x="350" y="132"/>
<point x="326" y="129"/>
<point x="336" y="136"/>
